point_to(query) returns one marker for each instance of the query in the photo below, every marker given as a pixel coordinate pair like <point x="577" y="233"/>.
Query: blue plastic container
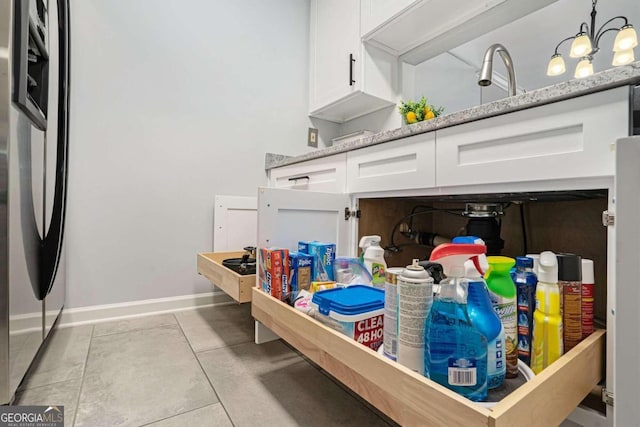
<point x="357" y="311"/>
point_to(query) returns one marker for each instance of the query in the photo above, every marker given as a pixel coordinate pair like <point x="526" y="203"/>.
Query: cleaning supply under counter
<point x="390" y="342"/>
<point x="483" y="316"/>
<point x="373" y="259"/>
<point x="588" y="289"/>
<point x="526" y="281"/>
<point x="570" y="283"/>
<point x="356" y="311"/>
<point x="415" y="296"/>
<point x="547" y="326"/>
<point x="503" y="294"/>
<point x="455" y="351"/>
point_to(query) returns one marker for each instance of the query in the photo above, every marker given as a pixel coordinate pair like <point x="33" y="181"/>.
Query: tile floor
<point x="191" y="368"/>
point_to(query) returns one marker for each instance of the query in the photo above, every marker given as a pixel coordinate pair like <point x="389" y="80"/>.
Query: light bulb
<point x="584" y="68"/>
<point x="623" y="57"/>
<point x="581" y="46"/>
<point x="556" y="65"/>
<point x="626" y="39"/>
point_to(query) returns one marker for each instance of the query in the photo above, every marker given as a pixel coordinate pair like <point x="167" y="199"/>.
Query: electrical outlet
<point x="312" y="140"/>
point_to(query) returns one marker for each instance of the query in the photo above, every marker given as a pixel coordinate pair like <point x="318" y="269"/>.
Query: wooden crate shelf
<point x="411" y="399"/>
<point x="233" y="284"/>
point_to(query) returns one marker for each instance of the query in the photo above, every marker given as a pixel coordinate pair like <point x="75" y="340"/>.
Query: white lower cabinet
<point x="570" y="146"/>
<point x="327" y="174"/>
<point x="407" y="163"/>
<point x="286" y="216"/>
<point x="564" y="140"/>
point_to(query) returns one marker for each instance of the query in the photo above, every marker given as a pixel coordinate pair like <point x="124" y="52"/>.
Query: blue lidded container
<point x="357" y="311"/>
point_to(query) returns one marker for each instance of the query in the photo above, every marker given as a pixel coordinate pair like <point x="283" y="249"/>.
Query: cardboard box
<point x="324" y="255"/>
<point x="303" y="246"/>
<point x="273" y="273"/>
<point x="300" y="273"/>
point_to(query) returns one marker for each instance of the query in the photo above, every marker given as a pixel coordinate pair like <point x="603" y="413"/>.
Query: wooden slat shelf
<point x="233" y="284"/>
<point x="411" y="399"/>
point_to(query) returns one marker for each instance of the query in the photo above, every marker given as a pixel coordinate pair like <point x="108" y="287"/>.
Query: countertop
<point x="614" y="77"/>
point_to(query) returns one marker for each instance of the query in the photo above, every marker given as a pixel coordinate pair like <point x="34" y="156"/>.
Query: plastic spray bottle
<point x="373" y="259"/>
<point x="547" y="321"/>
<point x="525" y="280"/>
<point x="502" y="291"/>
<point x="483" y="316"/>
<point x="455" y="350"/>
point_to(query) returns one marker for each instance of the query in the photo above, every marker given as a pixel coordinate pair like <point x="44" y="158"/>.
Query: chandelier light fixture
<point x="586" y="43"/>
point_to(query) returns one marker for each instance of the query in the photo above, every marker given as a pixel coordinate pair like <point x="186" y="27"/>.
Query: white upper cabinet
<point x="347" y="80"/>
<point x="374" y="13"/>
<point x="421" y="29"/>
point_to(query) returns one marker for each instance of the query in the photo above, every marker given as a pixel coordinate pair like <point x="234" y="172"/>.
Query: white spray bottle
<point x="373" y="259"/>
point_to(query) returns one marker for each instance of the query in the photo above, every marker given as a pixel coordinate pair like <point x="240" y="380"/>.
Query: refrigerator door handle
<point x="51" y="245"/>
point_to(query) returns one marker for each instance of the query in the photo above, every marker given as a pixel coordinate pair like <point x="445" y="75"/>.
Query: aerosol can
<point x="373" y="259"/>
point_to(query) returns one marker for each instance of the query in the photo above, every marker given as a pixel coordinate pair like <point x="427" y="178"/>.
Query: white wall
<point x="172" y="102"/>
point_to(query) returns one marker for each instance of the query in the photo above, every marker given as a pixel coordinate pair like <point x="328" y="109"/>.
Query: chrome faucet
<point x="487" y="67"/>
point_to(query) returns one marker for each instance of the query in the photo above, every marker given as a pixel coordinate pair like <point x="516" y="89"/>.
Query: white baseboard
<point x="110" y="312"/>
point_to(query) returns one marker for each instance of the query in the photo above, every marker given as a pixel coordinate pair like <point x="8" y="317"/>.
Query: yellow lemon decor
<point x="413" y="112"/>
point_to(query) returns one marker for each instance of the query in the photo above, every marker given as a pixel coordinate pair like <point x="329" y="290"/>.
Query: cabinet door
<point x="334" y="36"/>
<point x="327" y="174"/>
<point x="626" y="295"/>
<point x="569" y="139"/>
<point x="288" y="216"/>
<point x="399" y="165"/>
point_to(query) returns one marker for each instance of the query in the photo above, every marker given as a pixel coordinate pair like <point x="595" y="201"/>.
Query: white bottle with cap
<point x="373" y="259"/>
<point x="588" y="284"/>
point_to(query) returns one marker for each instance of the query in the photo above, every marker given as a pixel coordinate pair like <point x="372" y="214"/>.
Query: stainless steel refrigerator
<point x="34" y="118"/>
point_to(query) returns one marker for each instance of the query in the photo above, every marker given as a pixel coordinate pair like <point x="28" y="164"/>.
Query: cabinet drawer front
<point x="568" y="139"/>
<point x="326" y="174"/>
<point x="404" y="164"/>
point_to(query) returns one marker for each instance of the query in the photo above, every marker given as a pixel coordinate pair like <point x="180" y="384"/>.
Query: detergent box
<point x="274" y="271"/>
<point x="303" y="246"/>
<point x="300" y="273"/>
<point x="324" y="255"/>
<point x="356" y="311"/>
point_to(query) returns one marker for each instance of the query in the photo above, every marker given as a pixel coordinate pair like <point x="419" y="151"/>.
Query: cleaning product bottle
<point x="483" y="317"/>
<point x="570" y="284"/>
<point x="455" y="350"/>
<point x="373" y="258"/>
<point x="525" y="280"/>
<point x="502" y="291"/>
<point x="588" y="282"/>
<point x="547" y="321"/>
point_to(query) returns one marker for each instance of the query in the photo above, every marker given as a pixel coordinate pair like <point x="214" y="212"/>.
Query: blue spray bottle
<point x="455" y="350"/>
<point x="484" y="317"/>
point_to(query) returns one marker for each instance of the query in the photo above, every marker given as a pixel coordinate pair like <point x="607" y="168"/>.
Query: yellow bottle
<point x="547" y="321"/>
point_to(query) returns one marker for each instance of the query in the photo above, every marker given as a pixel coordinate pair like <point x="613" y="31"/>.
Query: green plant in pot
<point x="413" y="112"/>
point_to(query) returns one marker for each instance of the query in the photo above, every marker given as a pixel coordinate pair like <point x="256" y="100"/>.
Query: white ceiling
<point x="531" y="40"/>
